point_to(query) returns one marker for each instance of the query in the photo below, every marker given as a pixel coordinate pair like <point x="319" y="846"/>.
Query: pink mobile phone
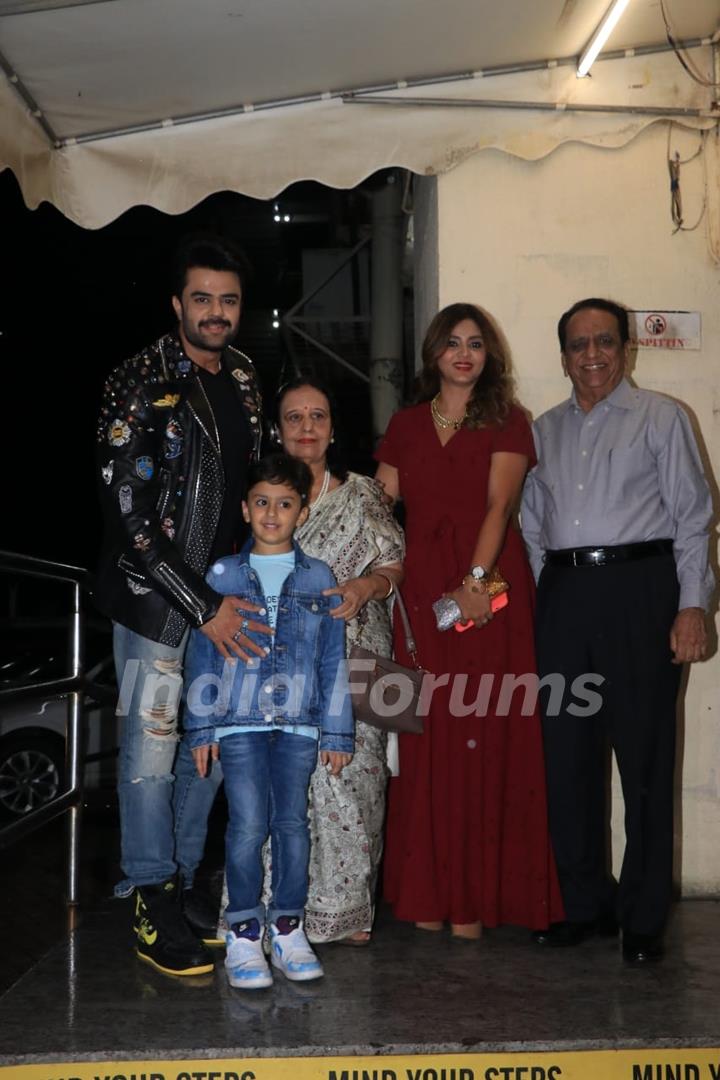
<point x="496" y="604"/>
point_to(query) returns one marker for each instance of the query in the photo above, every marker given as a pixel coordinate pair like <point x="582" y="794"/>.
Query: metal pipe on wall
<point x="386" y="294"/>
<point x="541" y="106"/>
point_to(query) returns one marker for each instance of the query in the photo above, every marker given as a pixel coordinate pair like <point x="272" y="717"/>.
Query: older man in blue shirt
<point x="615" y="517"/>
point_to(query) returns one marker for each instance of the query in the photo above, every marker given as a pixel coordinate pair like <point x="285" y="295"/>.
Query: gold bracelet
<point x="391" y="585"/>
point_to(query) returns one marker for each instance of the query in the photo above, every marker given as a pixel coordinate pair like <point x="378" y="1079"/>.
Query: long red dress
<point x="467" y="836"/>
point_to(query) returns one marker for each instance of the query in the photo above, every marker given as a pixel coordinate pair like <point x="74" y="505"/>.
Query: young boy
<point x="264" y="720"/>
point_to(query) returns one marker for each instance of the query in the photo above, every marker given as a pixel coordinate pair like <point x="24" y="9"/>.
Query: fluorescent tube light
<point x="603" y="32"/>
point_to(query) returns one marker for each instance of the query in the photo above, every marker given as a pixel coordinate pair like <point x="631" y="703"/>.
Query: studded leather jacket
<point x="162" y="489"/>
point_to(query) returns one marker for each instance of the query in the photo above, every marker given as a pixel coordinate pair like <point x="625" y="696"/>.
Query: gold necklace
<point x="444" y="421"/>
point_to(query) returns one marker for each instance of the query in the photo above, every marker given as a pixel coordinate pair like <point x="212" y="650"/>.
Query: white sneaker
<point x="292" y="955"/>
<point x="245" y="963"/>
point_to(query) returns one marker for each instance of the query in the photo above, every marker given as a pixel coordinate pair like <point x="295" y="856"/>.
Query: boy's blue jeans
<point x="267" y="777"/>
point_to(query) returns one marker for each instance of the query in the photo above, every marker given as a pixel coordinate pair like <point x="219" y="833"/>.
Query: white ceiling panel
<point x="109" y="68"/>
<point x="99" y="66"/>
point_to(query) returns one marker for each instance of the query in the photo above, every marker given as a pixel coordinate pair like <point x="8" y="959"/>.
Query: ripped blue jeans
<point x="150" y="688"/>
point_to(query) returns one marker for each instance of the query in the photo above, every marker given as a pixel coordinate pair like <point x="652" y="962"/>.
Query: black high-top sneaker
<point x="202" y="913"/>
<point x="164" y="939"/>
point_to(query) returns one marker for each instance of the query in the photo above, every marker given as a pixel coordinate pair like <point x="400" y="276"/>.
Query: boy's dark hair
<point x="211" y="252"/>
<point x="610" y="306"/>
<point x="281" y="469"/>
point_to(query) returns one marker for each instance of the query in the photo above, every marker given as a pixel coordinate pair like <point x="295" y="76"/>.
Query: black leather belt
<point x="601" y="556"/>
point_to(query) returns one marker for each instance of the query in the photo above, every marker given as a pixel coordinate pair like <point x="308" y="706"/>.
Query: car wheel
<point x="31" y="772"/>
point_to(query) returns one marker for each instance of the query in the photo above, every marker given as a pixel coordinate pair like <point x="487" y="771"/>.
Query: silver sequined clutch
<point x="447" y="612"/>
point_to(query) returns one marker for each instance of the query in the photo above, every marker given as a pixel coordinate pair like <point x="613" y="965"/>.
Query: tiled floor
<point x="408" y="992"/>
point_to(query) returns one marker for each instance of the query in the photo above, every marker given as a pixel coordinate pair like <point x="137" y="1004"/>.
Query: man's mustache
<point x="215" y="322"/>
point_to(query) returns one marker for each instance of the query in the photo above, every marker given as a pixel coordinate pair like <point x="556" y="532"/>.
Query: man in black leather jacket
<point x="178" y="426"/>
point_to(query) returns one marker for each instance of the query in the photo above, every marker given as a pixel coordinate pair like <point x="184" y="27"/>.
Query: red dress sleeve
<point x="515" y="436"/>
<point x="392" y="444"/>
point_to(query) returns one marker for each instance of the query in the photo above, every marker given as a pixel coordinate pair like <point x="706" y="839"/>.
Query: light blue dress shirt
<point x="625" y="472"/>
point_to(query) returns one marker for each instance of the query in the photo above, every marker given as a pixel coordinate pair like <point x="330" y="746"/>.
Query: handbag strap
<point x="410" y="644"/>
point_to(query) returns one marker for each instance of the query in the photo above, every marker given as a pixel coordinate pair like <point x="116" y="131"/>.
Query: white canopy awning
<point x="164" y="101"/>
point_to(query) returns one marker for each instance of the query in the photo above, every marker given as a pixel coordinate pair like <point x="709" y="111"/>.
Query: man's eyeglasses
<point x="604" y="343"/>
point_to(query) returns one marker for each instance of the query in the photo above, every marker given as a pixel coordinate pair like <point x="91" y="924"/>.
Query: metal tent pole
<point x="386" y="303"/>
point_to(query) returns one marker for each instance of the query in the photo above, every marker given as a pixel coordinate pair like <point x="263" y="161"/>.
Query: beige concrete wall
<point x="527" y="239"/>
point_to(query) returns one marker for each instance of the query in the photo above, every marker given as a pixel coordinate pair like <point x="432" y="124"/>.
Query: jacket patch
<point x="173" y="440"/>
<point x="145" y="413"/>
<point x="118" y="433"/>
<point x="125" y="498"/>
<point x="144" y="467"/>
<point x="136" y="588"/>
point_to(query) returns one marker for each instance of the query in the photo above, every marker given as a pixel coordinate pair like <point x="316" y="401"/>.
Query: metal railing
<point x="75" y="686"/>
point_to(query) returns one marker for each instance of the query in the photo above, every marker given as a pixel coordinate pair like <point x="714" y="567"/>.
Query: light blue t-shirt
<point x="272" y="571"/>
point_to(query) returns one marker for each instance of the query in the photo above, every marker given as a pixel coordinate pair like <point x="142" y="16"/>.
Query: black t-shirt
<point x="235" y="447"/>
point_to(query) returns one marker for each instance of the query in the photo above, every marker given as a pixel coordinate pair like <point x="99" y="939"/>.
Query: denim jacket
<point x="303" y="678"/>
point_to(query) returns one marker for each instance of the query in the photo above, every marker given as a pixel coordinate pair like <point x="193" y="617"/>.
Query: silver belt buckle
<point x="596" y="557"/>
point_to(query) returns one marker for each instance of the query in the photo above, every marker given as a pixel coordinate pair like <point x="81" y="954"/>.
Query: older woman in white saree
<point x="350" y="527"/>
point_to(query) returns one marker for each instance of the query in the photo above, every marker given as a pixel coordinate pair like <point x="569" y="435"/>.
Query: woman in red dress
<point x="467" y="838"/>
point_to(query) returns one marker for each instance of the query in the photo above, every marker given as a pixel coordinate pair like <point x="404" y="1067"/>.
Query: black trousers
<point x="613" y="621"/>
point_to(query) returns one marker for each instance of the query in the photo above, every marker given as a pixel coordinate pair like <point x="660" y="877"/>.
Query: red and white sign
<point x="666" y="330"/>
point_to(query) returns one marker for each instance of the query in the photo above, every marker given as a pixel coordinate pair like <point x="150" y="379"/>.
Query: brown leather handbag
<point x="386" y="694"/>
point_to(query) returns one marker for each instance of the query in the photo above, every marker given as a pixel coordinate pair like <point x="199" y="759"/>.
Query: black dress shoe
<point x="562" y="935"/>
<point x="641" y="948"/>
<point x="201" y="913"/>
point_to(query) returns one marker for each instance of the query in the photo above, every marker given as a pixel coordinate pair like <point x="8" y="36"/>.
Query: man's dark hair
<point x="281" y="469"/>
<point x="617" y="310"/>
<point x="210" y="252"/>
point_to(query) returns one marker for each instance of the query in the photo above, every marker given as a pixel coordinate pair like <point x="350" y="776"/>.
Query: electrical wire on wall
<point x="709" y="145"/>
<point x="712" y="196"/>
<point x="682" y="55"/>
<point x="674" y="163"/>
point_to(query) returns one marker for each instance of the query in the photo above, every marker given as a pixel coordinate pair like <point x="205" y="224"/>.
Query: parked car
<point x="33" y="733"/>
